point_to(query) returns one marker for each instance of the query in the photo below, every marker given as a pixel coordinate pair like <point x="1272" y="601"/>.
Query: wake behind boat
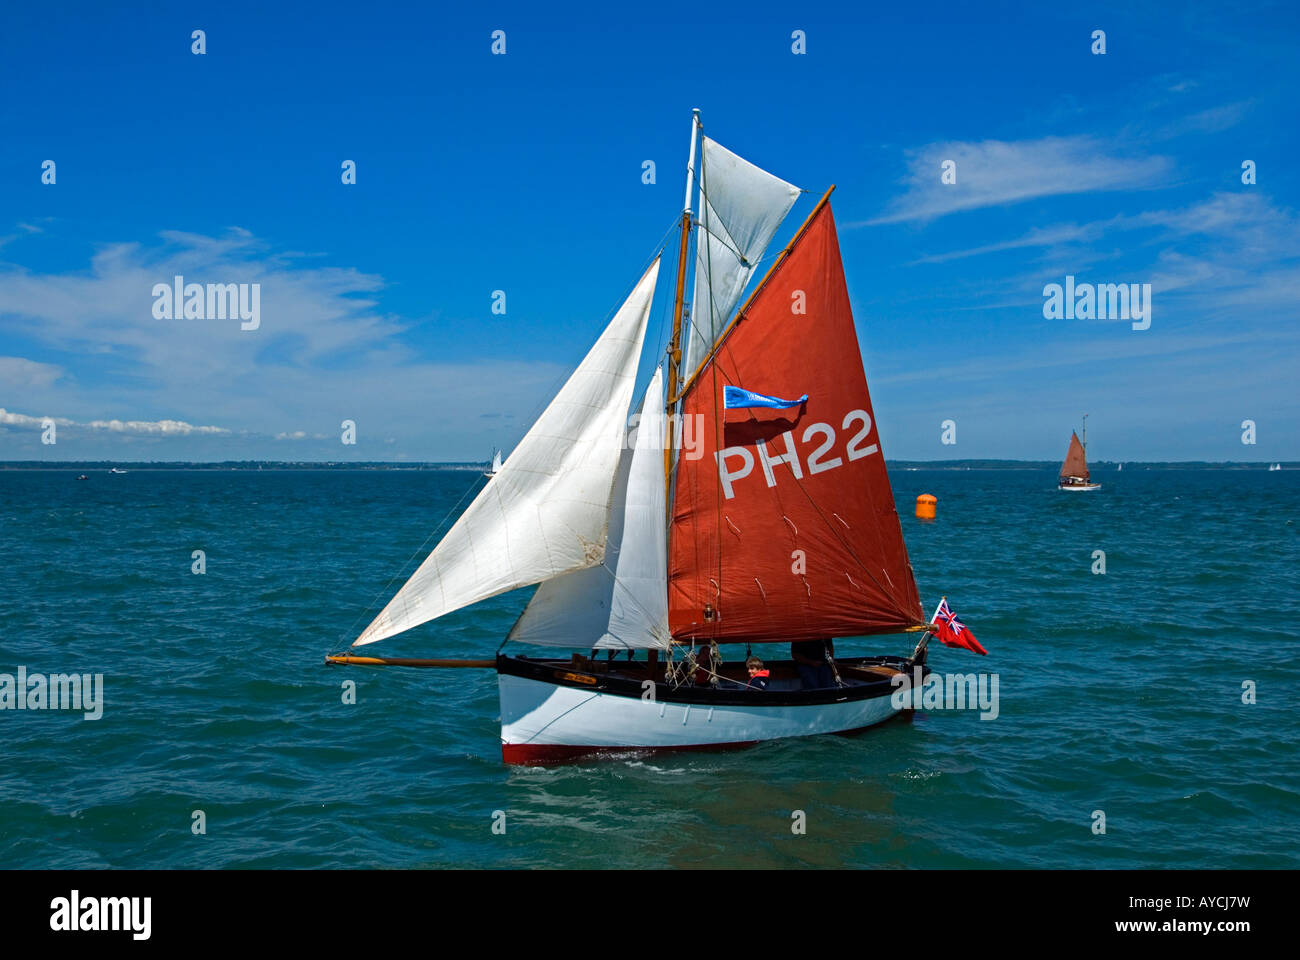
<point x="778" y="527"/>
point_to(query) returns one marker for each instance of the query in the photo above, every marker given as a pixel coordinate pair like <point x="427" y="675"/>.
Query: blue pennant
<point x="734" y="397"/>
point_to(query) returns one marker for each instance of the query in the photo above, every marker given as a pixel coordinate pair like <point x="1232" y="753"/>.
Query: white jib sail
<point x="623" y="602"/>
<point x="547" y="512"/>
<point x="741" y="208"/>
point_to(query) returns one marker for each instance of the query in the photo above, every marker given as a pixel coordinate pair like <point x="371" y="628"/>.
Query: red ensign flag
<point x="954" y="633"/>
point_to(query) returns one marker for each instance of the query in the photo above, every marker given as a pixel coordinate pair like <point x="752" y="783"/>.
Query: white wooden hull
<point x="1079" y="487"/>
<point x="543" y="722"/>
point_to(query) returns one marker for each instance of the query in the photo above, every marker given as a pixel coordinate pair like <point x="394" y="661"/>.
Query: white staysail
<point x="623" y="602"/>
<point x="741" y="207"/>
<point x="496" y="462"/>
<point x="547" y="512"/>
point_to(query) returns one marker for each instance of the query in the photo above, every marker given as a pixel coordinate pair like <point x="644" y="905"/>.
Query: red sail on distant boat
<point x="786" y="527"/>
<point x="1074" y="471"/>
<point x="1076" y="462"/>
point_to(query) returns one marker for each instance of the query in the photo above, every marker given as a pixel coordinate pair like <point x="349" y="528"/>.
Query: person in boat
<point x="758" y="674"/>
<point x="813" y="660"/>
<point x="704" y="666"/>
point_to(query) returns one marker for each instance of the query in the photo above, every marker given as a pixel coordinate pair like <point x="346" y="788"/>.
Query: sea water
<point x="1124" y="735"/>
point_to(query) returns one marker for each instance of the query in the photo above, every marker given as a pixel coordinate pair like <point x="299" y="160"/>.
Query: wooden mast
<point x="675" y="343"/>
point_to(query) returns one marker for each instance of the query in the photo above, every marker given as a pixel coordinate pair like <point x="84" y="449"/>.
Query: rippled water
<point x="1120" y="693"/>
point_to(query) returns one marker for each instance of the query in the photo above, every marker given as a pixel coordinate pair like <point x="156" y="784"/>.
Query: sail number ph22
<point x="817" y="458"/>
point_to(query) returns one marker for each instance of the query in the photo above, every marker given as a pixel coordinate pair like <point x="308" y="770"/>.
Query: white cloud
<point x="1038" y="237"/>
<point x="110" y="309"/>
<point x="162" y="428"/>
<point x="1210" y="120"/>
<point x="996" y="172"/>
<point x="324" y="352"/>
<point x="1249" y="244"/>
<point x="26" y="374"/>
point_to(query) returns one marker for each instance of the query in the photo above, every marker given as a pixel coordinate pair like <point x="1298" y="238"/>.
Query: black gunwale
<point x="553" y="671"/>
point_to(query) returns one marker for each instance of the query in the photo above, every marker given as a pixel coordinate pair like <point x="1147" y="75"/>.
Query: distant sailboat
<point x="639" y="549"/>
<point x="115" y="470"/>
<point x="496" y="465"/>
<point x="1121" y="467"/>
<point x="1275" y="466"/>
<point x="1074" y="471"/>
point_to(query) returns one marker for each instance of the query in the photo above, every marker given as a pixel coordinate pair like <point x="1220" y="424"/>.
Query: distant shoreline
<point x="385" y="465"/>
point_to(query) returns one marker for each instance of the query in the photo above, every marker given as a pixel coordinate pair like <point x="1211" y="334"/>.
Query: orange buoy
<point x="926" y="506"/>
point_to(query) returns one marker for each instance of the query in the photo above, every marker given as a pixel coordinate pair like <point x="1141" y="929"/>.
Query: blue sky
<point x="522" y="173"/>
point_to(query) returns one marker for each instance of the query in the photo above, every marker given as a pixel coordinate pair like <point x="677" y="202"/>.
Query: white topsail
<point x="741" y="207"/>
<point x="547" y="512"/>
<point x="623" y="602"/>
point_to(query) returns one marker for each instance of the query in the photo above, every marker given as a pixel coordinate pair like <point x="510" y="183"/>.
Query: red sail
<point x="1076" y="465"/>
<point x="784" y="528"/>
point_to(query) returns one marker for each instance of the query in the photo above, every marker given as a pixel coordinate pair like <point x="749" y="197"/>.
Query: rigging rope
<point x="418" y="550"/>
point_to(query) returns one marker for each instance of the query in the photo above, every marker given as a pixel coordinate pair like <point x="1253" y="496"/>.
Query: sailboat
<point x="749" y="509"/>
<point x="1074" y="471"/>
<point x="1275" y="467"/>
<point x="496" y="464"/>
